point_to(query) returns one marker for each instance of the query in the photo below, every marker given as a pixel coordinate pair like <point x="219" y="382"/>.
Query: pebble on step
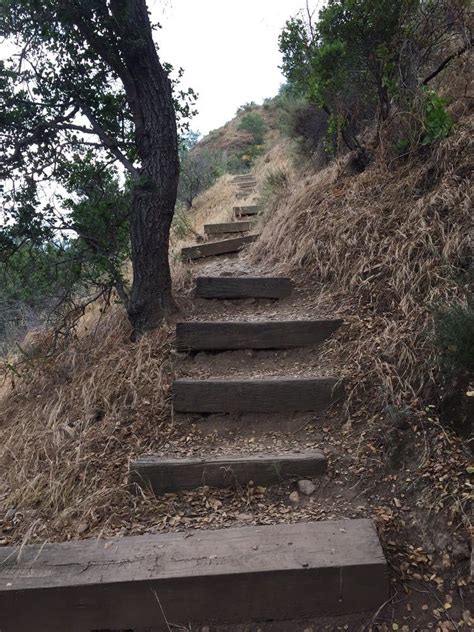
<point x="306" y="487"/>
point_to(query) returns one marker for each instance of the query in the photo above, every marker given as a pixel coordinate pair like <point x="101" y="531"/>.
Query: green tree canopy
<point x="88" y="106"/>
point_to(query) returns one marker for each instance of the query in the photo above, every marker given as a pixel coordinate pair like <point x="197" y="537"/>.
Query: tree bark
<point x="149" y="94"/>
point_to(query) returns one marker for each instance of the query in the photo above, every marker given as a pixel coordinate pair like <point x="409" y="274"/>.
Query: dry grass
<point x="389" y="244"/>
<point x="72" y="422"/>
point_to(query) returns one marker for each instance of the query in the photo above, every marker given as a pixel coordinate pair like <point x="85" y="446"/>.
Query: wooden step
<point x="164" y="475"/>
<point x="243" y="177"/>
<point x="239" y="575"/>
<point x="229" y="227"/>
<point x="271" y="395"/>
<point x="210" y="249"/>
<point x="240" y="195"/>
<point x="247" y="185"/>
<point x="243" y="287"/>
<point x="246" y="211"/>
<point x="214" y="336"/>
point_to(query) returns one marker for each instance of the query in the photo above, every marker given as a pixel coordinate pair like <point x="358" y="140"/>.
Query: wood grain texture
<point x="279" y="572"/>
<point x="243" y="287"/>
<point x="228" y="227"/>
<point x="215" y="336"/>
<point x="255" y="395"/>
<point x="164" y="475"/>
<point x="211" y="249"/>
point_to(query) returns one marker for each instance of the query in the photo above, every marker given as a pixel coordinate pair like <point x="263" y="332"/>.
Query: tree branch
<point x="110" y="144"/>
<point x="447" y="61"/>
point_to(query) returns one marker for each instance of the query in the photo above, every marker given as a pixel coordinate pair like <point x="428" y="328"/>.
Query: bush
<point x="253" y="123"/>
<point x="362" y="57"/>
<point x="454" y="336"/>
<point x="307" y="125"/>
<point x="247" y="107"/>
<point x="199" y="170"/>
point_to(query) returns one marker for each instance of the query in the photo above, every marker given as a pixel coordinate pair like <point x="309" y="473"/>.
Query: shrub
<point x="362" y="56"/>
<point x="437" y="120"/>
<point x="246" y="107"/>
<point x="199" y="170"/>
<point x="253" y="123"/>
<point x="454" y="335"/>
<point x="307" y="126"/>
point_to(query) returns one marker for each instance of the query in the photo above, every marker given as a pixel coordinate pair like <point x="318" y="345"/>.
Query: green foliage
<point x="246" y="107"/>
<point x="437" y="120"/>
<point x="360" y="56"/>
<point x="307" y="126"/>
<point x="454" y="331"/>
<point x="199" y="170"/>
<point x="70" y="125"/>
<point x="343" y="57"/>
<point x="34" y="275"/>
<point x="429" y="122"/>
<point x="253" y="123"/>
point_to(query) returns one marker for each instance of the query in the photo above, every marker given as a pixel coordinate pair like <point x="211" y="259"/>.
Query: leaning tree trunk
<point x="154" y="195"/>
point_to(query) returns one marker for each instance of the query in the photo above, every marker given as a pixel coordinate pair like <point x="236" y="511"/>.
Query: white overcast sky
<point x="228" y="49"/>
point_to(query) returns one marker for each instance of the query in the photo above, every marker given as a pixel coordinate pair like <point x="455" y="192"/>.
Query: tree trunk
<point x="154" y="197"/>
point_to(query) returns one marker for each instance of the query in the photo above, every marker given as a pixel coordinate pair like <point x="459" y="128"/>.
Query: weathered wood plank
<point x="243" y="287"/>
<point x="279" y="572"/>
<point x="210" y="249"/>
<point x="164" y="475"/>
<point x="214" y="336"/>
<point x="228" y="227"/>
<point x="246" y="211"/>
<point x="240" y="195"/>
<point x="255" y="395"/>
<point x="243" y="177"/>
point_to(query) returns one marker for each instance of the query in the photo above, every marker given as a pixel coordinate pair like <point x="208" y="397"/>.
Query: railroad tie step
<point x="246" y="211"/>
<point x="239" y="575"/>
<point x="219" y="336"/>
<point x="163" y="475"/>
<point x="247" y="185"/>
<point x="244" y="177"/>
<point x="228" y="227"/>
<point x="272" y="395"/>
<point x="210" y="249"/>
<point x="243" y="287"/>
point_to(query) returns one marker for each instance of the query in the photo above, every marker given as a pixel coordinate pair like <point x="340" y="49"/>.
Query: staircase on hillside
<point x="279" y="572"/>
<point x="246" y="185"/>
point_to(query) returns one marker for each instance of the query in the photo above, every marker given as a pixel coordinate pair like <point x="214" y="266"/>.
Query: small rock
<point x="244" y="516"/>
<point x="10" y="514"/>
<point x="306" y="487"/>
<point x="294" y="498"/>
<point x="82" y="528"/>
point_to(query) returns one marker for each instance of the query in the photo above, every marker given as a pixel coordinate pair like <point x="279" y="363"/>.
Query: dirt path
<point x="348" y="490"/>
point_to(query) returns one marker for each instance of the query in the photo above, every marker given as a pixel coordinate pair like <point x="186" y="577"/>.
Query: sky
<point x="227" y="48"/>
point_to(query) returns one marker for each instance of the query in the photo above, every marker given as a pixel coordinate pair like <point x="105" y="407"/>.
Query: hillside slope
<point x="378" y="249"/>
